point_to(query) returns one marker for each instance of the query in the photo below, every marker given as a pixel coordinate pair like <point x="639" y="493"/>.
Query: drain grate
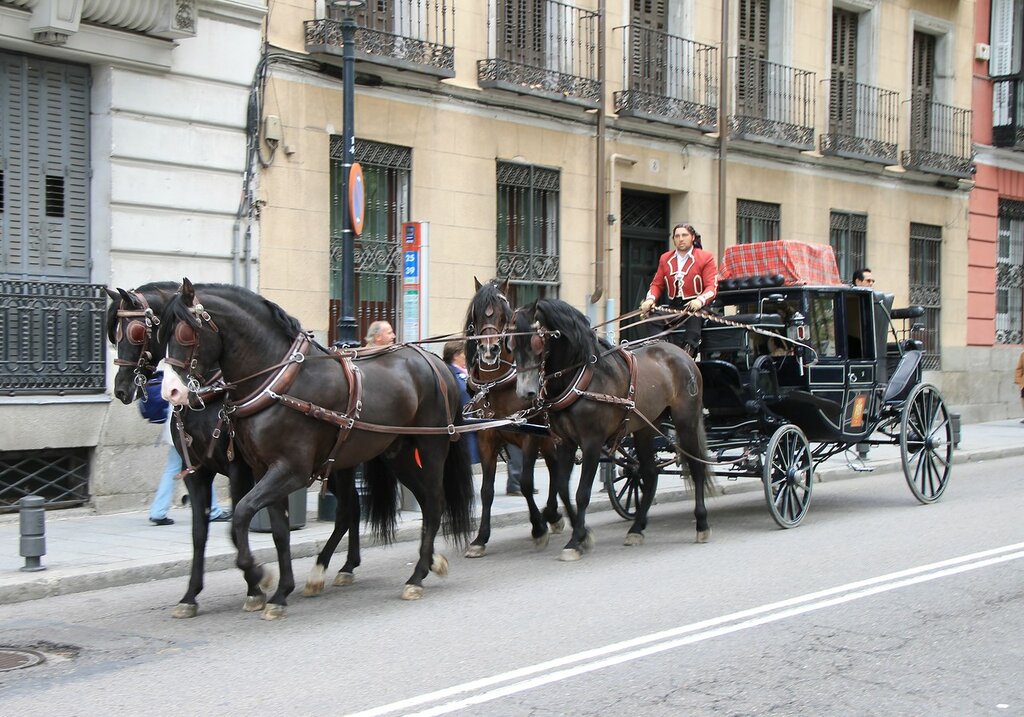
<point x="14" y="659"/>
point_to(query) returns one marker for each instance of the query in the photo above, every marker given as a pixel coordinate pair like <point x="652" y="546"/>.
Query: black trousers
<point x="685" y="331"/>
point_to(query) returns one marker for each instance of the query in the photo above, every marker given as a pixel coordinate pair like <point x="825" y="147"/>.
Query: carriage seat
<point x="762" y="321"/>
<point x="905" y="377"/>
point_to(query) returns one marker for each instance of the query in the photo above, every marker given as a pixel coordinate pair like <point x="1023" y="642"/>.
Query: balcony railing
<point x="940" y="138"/>
<point x="51" y="338"/>
<point x="668" y="79"/>
<point x="863" y="122"/>
<point x="774" y="103"/>
<point x="412" y="35"/>
<point x="544" y="48"/>
<point x="1008" y="112"/>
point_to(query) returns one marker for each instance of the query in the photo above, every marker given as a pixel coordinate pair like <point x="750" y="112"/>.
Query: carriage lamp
<point x="796" y="327"/>
<point x="32" y="522"/>
<point x="347" y="327"/>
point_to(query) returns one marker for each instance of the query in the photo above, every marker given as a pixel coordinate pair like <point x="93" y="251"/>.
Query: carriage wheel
<point x="788" y="476"/>
<point x="623" y="490"/>
<point x="926" y="443"/>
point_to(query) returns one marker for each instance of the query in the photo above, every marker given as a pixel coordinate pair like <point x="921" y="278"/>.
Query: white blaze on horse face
<point x="173" y="389"/>
<point x="528" y="383"/>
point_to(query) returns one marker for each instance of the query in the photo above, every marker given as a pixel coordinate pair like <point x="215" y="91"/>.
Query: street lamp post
<point x="347" y="327"/>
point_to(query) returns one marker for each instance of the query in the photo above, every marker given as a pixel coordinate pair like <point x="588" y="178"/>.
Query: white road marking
<point x="532" y="676"/>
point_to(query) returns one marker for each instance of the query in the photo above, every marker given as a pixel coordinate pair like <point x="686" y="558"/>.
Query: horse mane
<point x="489" y="294"/>
<point x="164" y="288"/>
<point x="576" y="342"/>
<point x="249" y="301"/>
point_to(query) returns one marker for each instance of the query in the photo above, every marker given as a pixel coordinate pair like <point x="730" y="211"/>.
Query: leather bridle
<point x="135" y="324"/>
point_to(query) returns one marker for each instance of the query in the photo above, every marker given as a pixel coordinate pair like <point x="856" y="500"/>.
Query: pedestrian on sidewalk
<point x="161" y="504"/>
<point x="455" y="356"/>
<point x="1018" y="378"/>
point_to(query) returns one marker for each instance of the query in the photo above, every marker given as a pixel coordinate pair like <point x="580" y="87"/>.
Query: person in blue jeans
<point x="165" y="491"/>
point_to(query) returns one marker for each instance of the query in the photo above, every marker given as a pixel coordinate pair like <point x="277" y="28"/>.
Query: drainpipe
<point x="723" y="128"/>
<point x="599" y="207"/>
<point x="609" y="309"/>
<point x="235" y="242"/>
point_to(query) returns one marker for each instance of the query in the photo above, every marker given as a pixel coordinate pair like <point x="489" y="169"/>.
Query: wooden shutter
<point x="523" y="34"/>
<point x="922" y="85"/>
<point x="842" y="105"/>
<point x="648" y="46"/>
<point x="45" y="115"/>
<point x="752" y="54"/>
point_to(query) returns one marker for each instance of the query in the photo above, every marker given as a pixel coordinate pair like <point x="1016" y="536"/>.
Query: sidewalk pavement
<point x="89" y="552"/>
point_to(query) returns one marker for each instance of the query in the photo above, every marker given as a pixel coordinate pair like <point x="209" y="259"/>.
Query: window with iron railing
<point x="925" y="286"/>
<point x="757" y="221"/>
<point x="387" y="172"/>
<point x="1005" y="69"/>
<point x="1010" y="273"/>
<point x="848" y="235"/>
<point x="528" y="198"/>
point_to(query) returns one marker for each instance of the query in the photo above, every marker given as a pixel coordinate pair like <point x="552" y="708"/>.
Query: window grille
<point x="528" y="199"/>
<point x="387" y="174"/>
<point x="757" y="221"/>
<point x="848" y="234"/>
<point x="925" y="286"/>
<point x="59" y="476"/>
<point x="1010" y="273"/>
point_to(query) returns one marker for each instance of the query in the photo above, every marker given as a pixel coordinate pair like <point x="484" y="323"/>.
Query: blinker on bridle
<point x="187" y="336"/>
<point x="138" y="331"/>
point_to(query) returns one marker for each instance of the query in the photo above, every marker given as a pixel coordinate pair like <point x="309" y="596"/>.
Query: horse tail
<point x="458" y="491"/>
<point x="381" y="499"/>
<point x="701" y="469"/>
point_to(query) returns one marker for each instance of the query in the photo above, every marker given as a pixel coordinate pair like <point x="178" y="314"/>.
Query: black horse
<point x="299" y="411"/>
<point x="595" y="394"/>
<point x="132" y="318"/>
<point x="492" y="375"/>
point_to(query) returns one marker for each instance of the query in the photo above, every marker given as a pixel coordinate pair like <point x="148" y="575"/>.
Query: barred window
<point x="387" y="172"/>
<point x="528" y="230"/>
<point x="757" y="221"/>
<point x="1010" y="273"/>
<point x="848" y="235"/>
<point x="925" y="289"/>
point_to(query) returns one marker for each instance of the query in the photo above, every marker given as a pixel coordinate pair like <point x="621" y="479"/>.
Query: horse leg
<point x="694" y="441"/>
<point x="199" y="491"/>
<point x="539" y="530"/>
<point x="342" y="485"/>
<point x="350" y="504"/>
<point x="488" y="445"/>
<point x="426" y="485"/>
<point x="560" y="463"/>
<point x="582" y="538"/>
<point x="643" y="442"/>
<point x="240" y="481"/>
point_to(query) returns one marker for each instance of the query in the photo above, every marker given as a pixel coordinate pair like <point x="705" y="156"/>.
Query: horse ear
<point x="114" y="296"/>
<point x="125" y="297"/>
<point x="477" y="283"/>
<point x="188" y="292"/>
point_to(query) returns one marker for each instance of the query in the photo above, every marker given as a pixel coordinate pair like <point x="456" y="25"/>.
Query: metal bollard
<point x="33" y="532"/>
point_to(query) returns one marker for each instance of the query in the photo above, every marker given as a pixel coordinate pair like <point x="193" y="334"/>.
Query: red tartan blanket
<point x="798" y="262"/>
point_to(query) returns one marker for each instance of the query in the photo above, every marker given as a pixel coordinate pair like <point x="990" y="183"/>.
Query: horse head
<point x="193" y="345"/>
<point x="488" y="316"/>
<point x="132" y="320"/>
<point x="552" y="337"/>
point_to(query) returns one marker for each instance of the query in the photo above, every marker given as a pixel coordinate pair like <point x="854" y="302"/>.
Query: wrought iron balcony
<point x="406" y="34"/>
<point x="51" y="338"/>
<point x="940" y="138"/>
<point x="544" y="48"/>
<point x="774" y="103"/>
<point x="668" y="79"/>
<point x="1008" y="112"/>
<point x="863" y="122"/>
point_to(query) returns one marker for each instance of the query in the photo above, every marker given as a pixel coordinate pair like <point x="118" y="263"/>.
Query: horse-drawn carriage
<point x="796" y="373"/>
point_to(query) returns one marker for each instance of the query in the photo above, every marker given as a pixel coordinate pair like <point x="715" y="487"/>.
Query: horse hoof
<point x="703" y="536"/>
<point x="273" y="611"/>
<point x="541" y="541"/>
<point x="589" y="540"/>
<point x="253" y="603"/>
<point x="440" y="566"/>
<point x="412" y="592"/>
<point x="269" y="577"/>
<point x="570" y="555"/>
<point x="315" y="582"/>
<point x="342" y="579"/>
<point x="634" y="539"/>
<point x="558" y="526"/>
<point x="475" y="551"/>
<point x="184" y="610"/>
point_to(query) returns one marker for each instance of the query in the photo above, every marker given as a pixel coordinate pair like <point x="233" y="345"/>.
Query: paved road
<point x="874" y="605"/>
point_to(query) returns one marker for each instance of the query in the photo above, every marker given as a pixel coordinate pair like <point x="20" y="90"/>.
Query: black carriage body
<point x="831" y="377"/>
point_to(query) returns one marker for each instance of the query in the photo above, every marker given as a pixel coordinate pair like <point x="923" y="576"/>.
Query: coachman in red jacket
<point x="687" y="278"/>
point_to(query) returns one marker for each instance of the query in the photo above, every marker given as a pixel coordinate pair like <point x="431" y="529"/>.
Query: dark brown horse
<point x="132" y="319"/>
<point x="595" y="394"/>
<point x="492" y="375"/>
<point x="300" y="411"/>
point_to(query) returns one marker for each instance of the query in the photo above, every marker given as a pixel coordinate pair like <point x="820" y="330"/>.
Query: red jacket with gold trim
<point x="695" y="277"/>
